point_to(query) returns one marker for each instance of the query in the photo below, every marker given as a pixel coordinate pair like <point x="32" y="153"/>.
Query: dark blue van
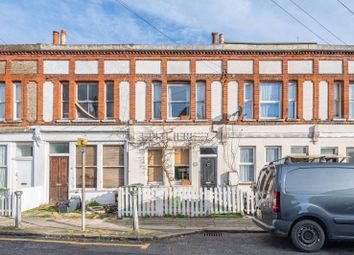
<point x="307" y="202"/>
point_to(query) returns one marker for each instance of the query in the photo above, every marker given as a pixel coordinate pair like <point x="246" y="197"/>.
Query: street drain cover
<point x="213" y="234"/>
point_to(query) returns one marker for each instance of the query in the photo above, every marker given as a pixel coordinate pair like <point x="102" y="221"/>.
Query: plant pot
<point x="186" y="183"/>
<point x="184" y="117"/>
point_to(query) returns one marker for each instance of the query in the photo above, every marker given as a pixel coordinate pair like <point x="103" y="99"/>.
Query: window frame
<point x="156" y="83"/>
<point x="279" y="102"/>
<point x="271" y="147"/>
<point x="154" y="166"/>
<point x="178" y="181"/>
<point x="253" y="163"/>
<point x="96" y="167"/>
<point x="181" y="84"/>
<point x="121" y="167"/>
<point x="330" y="147"/>
<point x="250" y="100"/>
<point x="108" y="83"/>
<point x="17" y="101"/>
<point x="292" y="100"/>
<point x="198" y="101"/>
<point x="87" y="101"/>
<point x="351" y="100"/>
<point x="3" y="102"/>
<point x="337" y="99"/>
<point x="299" y="154"/>
<point x="5" y="166"/>
<point x="64" y="101"/>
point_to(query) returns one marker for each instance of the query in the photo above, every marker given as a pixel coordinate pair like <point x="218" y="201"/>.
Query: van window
<point x="320" y="181"/>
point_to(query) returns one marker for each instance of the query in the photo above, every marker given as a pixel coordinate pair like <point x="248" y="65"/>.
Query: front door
<point x="58" y="184"/>
<point x="208" y="171"/>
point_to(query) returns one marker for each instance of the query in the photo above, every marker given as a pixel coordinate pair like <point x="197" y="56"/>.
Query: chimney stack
<point x="62" y="37"/>
<point x="221" y="38"/>
<point x="214" y="36"/>
<point x="55" y="37"/>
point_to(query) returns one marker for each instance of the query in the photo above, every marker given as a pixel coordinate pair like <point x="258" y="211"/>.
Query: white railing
<point x="6" y="204"/>
<point x="186" y="201"/>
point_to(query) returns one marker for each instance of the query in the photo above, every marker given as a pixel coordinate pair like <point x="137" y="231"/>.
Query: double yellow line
<point x="143" y="246"/>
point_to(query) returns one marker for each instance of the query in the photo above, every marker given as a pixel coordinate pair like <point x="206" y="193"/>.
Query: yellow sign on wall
<point x="81" y="142"/>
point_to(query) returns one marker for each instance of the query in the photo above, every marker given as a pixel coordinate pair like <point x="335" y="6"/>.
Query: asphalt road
<point x="220" y="244"/>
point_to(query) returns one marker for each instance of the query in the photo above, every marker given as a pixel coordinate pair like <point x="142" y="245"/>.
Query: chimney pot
<point x="214" y="36"/>
<point x="221" y="38"/>
<point x="62" y="37"/>
<point x="55" y="37"/>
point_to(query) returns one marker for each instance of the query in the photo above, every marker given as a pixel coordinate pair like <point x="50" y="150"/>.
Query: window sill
<point x="157" y="121"/>
<point x="62" y="121"/>
<point x="108" y="120"/>
<point x="178" y="120"/>
<point x="293" y="120"/>
<point x="83" y="121"/>
<point x="272" y="120"/>
<point x="339" y="119"/>
<point x="201" y="120"/>
<point x="249" y="120"/>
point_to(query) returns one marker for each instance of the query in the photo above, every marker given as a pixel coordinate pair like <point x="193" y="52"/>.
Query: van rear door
<point x="264" y="195"/>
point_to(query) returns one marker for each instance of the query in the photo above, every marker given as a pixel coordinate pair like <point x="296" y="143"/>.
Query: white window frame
<point x="110" y="83"/>
<point x="17" y="101"/>
<point x="330" y="147"/>
<point x="351" y="100"/>
<point x="245" y="100"/>
<point x="178" y="182"/>
<point x="271" y="147"/>
<point x="117" y="166"/>
<point x="3" y="102"/>
<point x="64" y="101"/>
<point x="337" y="91"/>
<point x="248" y="163"/>
<point x="88" y="101"/>
<point x="300" y="154"/>
<point x="198" y="101"/>
<point x="185" y="84"/>
<point x="292" y="100"/>
<point x="279" y="102"/>
<point x="153" y="99"/>
<point x="6" y="166"/>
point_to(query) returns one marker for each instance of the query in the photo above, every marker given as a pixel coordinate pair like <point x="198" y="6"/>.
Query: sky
<point x="182" y="21"/>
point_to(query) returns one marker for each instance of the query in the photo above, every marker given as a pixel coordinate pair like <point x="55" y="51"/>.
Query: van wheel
<point x="308" y="236"/>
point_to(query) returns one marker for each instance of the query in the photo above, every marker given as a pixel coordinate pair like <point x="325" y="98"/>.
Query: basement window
<point x="87" y="100"/>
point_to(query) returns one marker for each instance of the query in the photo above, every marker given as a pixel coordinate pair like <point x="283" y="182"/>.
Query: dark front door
<point x="208" y="172"/>
<point x="58" y="184"/>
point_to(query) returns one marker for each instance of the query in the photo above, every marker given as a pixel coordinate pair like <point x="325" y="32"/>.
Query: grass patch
<point x="8" y="228"/>
<point x="227" y="215"/>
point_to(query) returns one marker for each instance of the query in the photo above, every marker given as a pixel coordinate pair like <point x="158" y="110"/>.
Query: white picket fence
<point x="6" y="203"/>
<point x="186" y="201"/>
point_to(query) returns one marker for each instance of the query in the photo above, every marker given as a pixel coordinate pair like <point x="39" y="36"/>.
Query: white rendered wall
<point x="330" y="67"/>
<point x="178" y="67"/>
<point x="148" y="67"/>
<point x="232" y="98"/>
<point x="86" y="67"/>
<point x="116" y="66"/>
<point x="56" y="67"/>
<point x="216" y="101"/>
<point x="323" y="98"/>
<point x="208" y="67"/>
<point x="140" y="101"/>
<point x="270" y="67"/>
<point x="240" y="67"/>
<point x="124" y="101"/>
<point x="48" y="101"/>
<point x="300" y="66"/>
<point x="308" y="100"/>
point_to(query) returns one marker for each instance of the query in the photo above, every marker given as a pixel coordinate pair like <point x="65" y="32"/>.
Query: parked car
<point x="307" y="202"/>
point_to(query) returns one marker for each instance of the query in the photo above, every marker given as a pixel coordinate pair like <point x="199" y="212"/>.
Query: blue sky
<point x="186" y="21"/>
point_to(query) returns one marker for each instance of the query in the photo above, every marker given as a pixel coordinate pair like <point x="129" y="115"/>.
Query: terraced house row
<point x="197" y="115"/>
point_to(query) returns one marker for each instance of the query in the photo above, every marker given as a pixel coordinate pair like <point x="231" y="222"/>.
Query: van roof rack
<point x="309" y="159"/>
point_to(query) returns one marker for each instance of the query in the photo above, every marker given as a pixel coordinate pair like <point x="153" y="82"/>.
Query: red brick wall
<point x="256" y="78"/>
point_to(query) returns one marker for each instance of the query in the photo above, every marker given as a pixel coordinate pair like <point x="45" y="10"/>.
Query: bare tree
<point x="163" y="138"/>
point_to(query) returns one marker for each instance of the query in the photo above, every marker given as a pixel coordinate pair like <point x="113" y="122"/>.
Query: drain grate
<point x="213" y="234"/>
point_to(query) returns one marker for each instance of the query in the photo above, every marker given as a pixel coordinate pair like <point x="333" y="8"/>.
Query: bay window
<point x="292" y="96"/>
<point x="181" y="164"/>
<point x="270" y="100"/>
<point x="178" y="100"/>
<point x="87" y="99"/>
<point x="157" y="101"/>
<point x="248" y="100"/>
<point x="247" y="164"/>
<point x="200" y="100"/>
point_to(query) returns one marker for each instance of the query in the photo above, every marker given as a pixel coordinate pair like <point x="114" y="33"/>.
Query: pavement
<point x="121" y="229"/>
<point x="216" y="243"/>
